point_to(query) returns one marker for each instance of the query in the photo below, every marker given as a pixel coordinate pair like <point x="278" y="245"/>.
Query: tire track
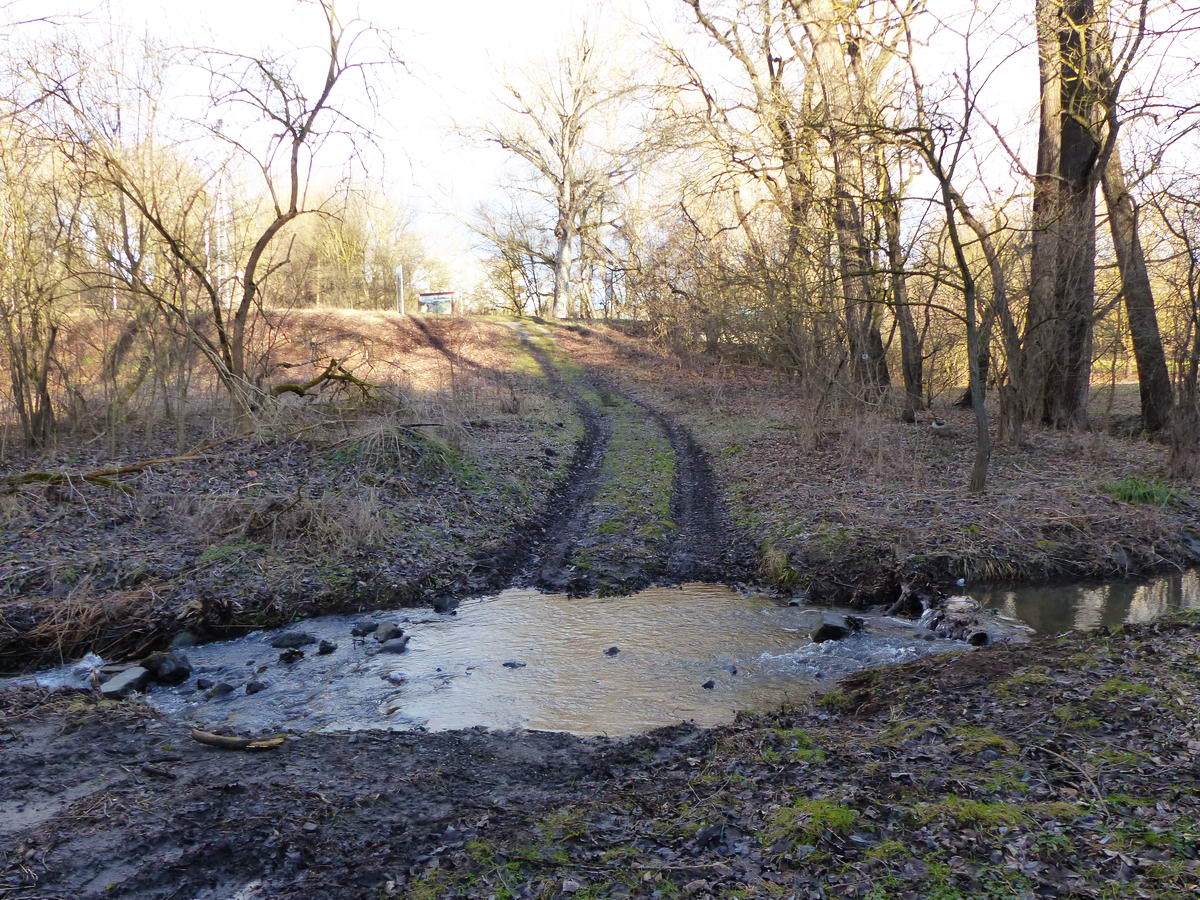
<point x="705" y="546"/>
<point x="566" y="519"/>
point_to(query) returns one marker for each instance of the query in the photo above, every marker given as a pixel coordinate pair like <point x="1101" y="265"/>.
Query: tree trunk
<point x="864" y="335"/>
<point x="1154" y="382"/>
<point x="910" y="342"/>
<point x="562" y="267"/>
<point x="1058" y="345"/>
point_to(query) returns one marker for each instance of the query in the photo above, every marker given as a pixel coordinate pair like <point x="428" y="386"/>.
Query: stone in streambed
<point x="395" y="645"/>
<point x="290" y="656"/>
<point x="203" y="684"/>
<point x="855" y="623"/>
<point x="362" y="629"/>
<point x="827" y="631"/>
<point x="253" y="687"/>
<point x="513" y="664"/>
<point x="612" y="651"/>
<point x="124" y="683"/>
<point x="709" y="685"/>
<point x="445" y="605"/>
<point x="292" y="639"/>
<point x="171" y="667"/>
<point x="220" y="689"/>
<point x="387" y="631"/>
<point x="325" y="648"/>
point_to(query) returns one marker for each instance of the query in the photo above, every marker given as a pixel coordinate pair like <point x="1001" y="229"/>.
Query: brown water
<point x="1082" y="607"/>
<point x="671" y="641"/>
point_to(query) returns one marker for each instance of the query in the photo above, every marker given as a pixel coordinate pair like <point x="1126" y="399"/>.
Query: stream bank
<point x="1057" y="768"/>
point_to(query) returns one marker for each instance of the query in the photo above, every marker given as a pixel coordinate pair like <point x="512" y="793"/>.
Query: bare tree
<point x="285" y="123"/>
<point x="562" y="124"/>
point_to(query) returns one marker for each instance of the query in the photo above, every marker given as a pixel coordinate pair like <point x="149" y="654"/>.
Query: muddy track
<point x="706" y="546"/>
<point x="566" y="518"/>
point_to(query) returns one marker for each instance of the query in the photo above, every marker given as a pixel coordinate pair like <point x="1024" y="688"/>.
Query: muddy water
<point x="670" y="641"/>
<point x="1053" y="610"/>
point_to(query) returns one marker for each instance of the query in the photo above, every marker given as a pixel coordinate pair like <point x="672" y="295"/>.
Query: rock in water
<point x="709" y="685"/>
<point x="362" y="629"/>
<point x="395" y="645"/>
<point x="855" y="623"/>
<point x="171" y="667"/>
<point x="124" y="683"/>
<point x="325" y="648"/>
<point x="220" y="689"/>
<point x="292" y="639"/>
<point x="290" y="656"/>
<point x="444" y="604"/>
<point x="253" y="687"/>
<point x="513" y="664"/>
<point x="612" y="651"/>
<point x="387" y="631"/>
<point x="827" y="631"/>
<point x="979" y="639"/>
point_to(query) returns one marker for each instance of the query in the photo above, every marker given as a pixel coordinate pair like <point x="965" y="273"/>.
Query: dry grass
<point x="855" y="500"/>
<point x="332" y="503"/>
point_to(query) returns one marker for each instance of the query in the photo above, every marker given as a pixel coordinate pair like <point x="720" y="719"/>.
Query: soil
<point x="1059" y="768"/>
<point x="1056" y="769"/>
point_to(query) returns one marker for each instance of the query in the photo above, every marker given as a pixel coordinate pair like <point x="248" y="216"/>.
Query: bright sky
<point x="452" y="53"/>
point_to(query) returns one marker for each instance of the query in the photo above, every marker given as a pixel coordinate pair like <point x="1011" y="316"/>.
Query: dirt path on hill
<point x="707" y="546"/>
<point x="702" y="546"/>
<point x="566" y="518"/>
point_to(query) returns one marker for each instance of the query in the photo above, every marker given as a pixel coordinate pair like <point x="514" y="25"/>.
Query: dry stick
<point x="105" y="477"/>
<point x="226" y="742"/>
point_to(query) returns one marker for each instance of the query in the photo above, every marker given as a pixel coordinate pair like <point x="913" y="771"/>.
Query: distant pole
<point x="400" y="289"/>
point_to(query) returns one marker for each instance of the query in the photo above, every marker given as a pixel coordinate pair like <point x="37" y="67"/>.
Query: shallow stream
<point x="616" y="666"/>
<point x="1084" y="606"/>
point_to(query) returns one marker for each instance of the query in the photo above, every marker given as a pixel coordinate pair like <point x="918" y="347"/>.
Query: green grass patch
<point x="807" y="821"/>
<point x="969" y="813"/>
<point x="1144" y="491"/>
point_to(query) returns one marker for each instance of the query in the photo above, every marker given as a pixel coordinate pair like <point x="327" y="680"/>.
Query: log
<point x="228" y="742"/>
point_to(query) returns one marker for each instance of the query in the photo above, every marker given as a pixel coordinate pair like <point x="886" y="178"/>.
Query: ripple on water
<point x="670" y="641"/>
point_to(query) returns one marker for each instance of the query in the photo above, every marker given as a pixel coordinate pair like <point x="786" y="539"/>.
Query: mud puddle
<point x="524" y="659"/>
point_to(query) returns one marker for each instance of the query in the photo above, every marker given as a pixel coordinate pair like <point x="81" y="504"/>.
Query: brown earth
<point x="846" y="504"/>
<point x="1065" y="768"/>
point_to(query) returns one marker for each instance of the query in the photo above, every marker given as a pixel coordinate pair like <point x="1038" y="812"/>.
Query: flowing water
<point x="524" y="659"/>
<point x="1082" y="607"/>
<point x="670" y="643"/>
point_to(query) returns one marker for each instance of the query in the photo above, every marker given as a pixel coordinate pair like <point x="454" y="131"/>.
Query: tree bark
<point x="863" y="314"/>
<point x="1058" y="346"/>
<point x="1154" y="381"/>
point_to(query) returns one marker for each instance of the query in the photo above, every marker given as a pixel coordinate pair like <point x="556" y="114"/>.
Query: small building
<point x="438" y="303"/>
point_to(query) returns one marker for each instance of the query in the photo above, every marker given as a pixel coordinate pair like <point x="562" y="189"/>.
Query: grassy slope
<point x="846" y="504"/>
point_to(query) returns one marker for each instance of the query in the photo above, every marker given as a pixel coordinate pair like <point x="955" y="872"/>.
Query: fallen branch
<point x="227" y="742"/>
<point x="335" y="371"/>
<point x="106" y="477"/>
